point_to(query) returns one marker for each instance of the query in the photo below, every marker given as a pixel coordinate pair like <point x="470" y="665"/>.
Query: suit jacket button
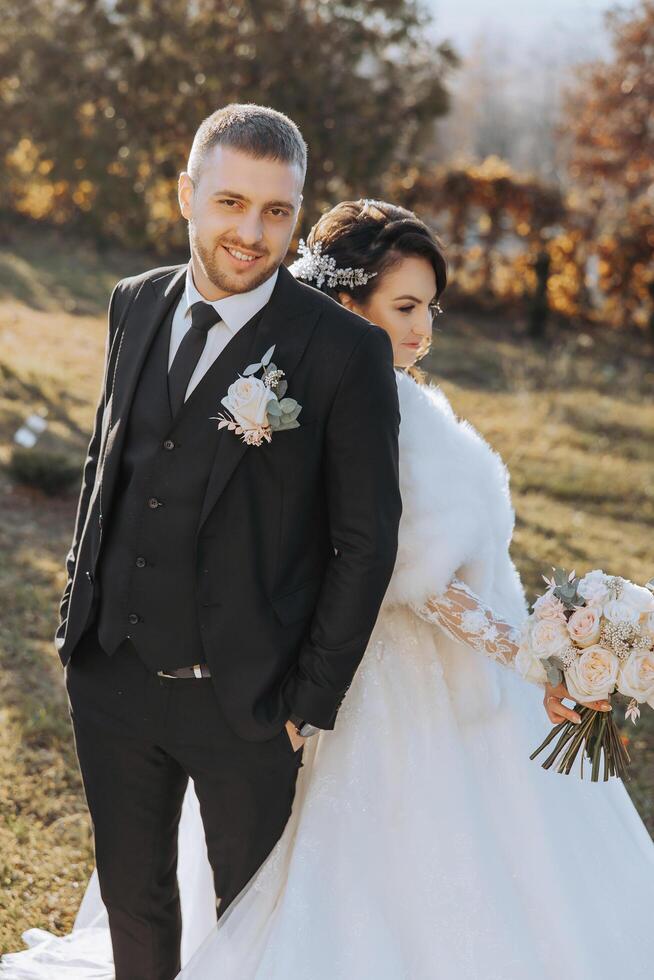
<point x="133" y="618"/>
<point x="140" y="561"/>
<point x="153" y="503"/>
<point x="169" y="444"/>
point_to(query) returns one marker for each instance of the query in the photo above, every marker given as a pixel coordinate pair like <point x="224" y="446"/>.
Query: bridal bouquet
<point x="596" y="634"/>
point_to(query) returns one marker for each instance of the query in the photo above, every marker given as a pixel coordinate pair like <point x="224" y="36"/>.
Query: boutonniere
<point x="257" y="407"/>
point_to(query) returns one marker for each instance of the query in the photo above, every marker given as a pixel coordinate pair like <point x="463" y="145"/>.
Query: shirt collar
<point x="235" y="310"/>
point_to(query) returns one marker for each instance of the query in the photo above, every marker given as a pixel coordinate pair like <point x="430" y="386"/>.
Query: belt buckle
<point x="196" y="668"/>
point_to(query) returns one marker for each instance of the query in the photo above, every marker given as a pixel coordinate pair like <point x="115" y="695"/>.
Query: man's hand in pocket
<point x="297" y="740"/>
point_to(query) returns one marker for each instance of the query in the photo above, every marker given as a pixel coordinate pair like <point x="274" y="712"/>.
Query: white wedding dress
<point x="423" y="843"/>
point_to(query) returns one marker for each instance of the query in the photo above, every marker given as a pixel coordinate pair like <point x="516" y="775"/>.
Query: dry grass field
<point x="573" y="419"/>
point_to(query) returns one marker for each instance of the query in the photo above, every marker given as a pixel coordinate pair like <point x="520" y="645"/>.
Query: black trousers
<point x="139" y="738"/>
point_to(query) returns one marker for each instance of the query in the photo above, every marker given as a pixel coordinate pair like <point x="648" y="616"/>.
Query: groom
<point x="221" y="594"/>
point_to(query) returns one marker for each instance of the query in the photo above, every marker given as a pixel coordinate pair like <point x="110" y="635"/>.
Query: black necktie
<point x="203" y="316"/>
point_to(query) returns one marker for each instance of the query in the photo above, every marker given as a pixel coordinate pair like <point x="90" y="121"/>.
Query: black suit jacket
<point x="296" y="539"/>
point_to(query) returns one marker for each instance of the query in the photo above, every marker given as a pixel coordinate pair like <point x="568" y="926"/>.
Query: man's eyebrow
<point x="234" y="195"/>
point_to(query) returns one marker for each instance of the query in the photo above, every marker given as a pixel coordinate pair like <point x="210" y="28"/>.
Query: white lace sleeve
<point x="466" y="618"/>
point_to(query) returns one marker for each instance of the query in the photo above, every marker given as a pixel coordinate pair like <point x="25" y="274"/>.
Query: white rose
<point x="247" y="399"/>
<point x="529" y="666"/>
<point x="636" y="678"/>
<point x="638" y="597"/>
<point x="620" y="611"/>
<point x="584" y="626"/>
<point x="548" y="637"/>
<point x="548" y="606"/>
<point x="593" y="675"/>
<point x="593" y="588"/>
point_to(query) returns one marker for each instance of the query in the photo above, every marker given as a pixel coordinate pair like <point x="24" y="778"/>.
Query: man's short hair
<point x="257" y="130"/>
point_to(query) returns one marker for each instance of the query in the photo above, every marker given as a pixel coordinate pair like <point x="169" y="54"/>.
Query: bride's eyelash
<point x="405" y="309"/>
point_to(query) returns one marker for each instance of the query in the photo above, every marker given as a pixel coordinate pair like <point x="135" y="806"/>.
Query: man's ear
<point x="185" y="190"/>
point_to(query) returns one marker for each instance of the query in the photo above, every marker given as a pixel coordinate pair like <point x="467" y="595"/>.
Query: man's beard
<point x="225" y="281"/>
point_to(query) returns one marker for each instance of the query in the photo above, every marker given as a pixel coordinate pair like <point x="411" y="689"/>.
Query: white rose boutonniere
<point x="258" y="407"/>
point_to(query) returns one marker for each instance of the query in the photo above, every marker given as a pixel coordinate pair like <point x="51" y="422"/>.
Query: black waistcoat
<point x="147" y="565"/>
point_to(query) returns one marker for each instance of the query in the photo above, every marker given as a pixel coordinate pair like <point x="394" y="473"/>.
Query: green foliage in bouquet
<point x="565" y="588"/>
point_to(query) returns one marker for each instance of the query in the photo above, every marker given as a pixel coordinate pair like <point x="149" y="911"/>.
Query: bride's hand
<point x="558" y="712"/>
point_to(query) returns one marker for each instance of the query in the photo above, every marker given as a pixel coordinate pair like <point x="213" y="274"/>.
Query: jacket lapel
<point x="288" y="321"/>
<point x="151" y="304"/>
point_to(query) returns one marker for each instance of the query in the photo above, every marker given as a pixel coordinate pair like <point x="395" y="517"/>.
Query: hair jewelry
<point x="314" y="265"/>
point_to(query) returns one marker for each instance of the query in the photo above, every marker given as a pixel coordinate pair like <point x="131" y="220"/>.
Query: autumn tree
<point x="101" y="100"/>
<point x="609" y="139"/>
<point x="495" y="222"/>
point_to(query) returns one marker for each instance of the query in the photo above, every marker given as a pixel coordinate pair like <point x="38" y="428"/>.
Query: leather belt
<point x="197" y="670"/>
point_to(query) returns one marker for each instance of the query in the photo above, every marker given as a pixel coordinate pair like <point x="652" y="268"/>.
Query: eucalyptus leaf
<point x="291" y="416"/>
<point x="274" y="408"/>
<point x="566" y="588"/>
<point x="250" y="369"/>
<point x="555" y="676"/>
<point x="282" y="388"/>
<point x="271" y="368"/>
<point x="288" y="404"/>
<point x="290" y="425"/>
<point x="266" y="357"/>
<point x="275" y="421"/>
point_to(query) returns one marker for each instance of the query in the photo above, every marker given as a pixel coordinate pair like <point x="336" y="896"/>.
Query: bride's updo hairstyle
<point x="375" y="236"/>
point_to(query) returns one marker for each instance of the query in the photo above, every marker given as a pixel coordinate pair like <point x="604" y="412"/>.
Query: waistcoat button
<point x="153" y="503"/>
<point x="169" y="444"/>
<point x="133" y="618"/>
<point x="140" y="561"/>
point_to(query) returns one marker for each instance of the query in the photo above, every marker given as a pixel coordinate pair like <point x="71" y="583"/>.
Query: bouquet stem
<point x="597" y="736"/>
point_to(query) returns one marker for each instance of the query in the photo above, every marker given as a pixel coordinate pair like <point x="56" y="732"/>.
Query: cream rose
<point x="593" y="588"/>
<point x="548" y="637"/>
<point x="584" y="626"/>
<point x="247" y="399"/>
<point x="636" y="678"/>
<point x="548" y="606"/>
<point x="621" y="611"/>
<point x="593" y="675"/>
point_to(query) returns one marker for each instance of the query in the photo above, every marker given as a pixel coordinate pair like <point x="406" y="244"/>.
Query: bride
<point x="423" y="843"/>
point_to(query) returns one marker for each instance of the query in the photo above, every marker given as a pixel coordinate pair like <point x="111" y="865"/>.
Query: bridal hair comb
<point x="314" y="265"/>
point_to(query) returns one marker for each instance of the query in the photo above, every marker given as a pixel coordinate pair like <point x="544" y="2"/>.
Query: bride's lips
<point x="241" y="263"/>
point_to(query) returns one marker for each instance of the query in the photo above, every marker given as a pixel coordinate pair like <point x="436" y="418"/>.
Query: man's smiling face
<point x="241" y="212"/>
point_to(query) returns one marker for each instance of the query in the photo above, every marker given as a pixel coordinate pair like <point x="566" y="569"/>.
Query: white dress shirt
<point x="235" y="311"/>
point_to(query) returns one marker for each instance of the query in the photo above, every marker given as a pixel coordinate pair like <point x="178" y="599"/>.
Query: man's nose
<point x="250" y="229"/>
